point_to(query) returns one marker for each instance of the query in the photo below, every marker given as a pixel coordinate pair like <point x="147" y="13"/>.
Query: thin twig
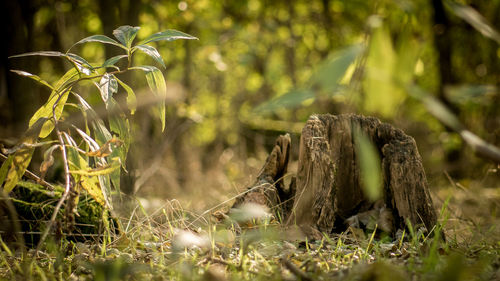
<point x="437" y="109"/>
<point x="224" y="202"/>
<point x="296" y="270"/>
<point x="453" y="183"/>
<point x="216" y="260"/>
<point x="156" y="163"/>
<point x="67" y="175"/>
<point x="480" y="146"/>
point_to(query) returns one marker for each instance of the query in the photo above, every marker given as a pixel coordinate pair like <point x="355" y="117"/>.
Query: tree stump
<point x="327" y="194"/>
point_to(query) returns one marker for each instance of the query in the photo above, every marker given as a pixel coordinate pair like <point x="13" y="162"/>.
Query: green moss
<point x="35" y="205"/>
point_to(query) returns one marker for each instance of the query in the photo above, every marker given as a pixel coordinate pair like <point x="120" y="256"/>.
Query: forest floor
<point x="156" y="246"/>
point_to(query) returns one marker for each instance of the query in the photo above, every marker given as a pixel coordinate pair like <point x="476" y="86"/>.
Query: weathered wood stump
<point x="269" y="188"/>
<point x="327" y="191"/>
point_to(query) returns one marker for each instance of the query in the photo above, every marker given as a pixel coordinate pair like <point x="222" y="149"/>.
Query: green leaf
<point x="385" y="71"/>
<point x="114" y="175"/>
<point x="19" y="161"/>
<point x="291" y="99"/>
<point x="92" y="144"/>
<point x="82" y="64"/>
<point x="78" y="59"/>
<point x="152" y="52"/>
<point x="469" y="93"/>
<point x="105" y="189"/>
<point x="89" y="183"/>
<point x="126" y="34"/>
<point x="40" y="53"/>
<point x="131" y="98"/>
<point x="46" y="110"/>
<point x="101" y="39"/>
<point x="102" y="135"/>
<point x="74" y="160"/>
<point x="111" y="61"/>
<point x="34" y="77"/>
<point x="156" y="83"/>
<point x="107" y="86"/>
<point x="326" y="77"/>
<point x="5" y="168"/>
<point x="330" y="72"/>
<point x="97" y="171"/>
<point x="167" y="35"/>
<point x="408" y="51"/>
<point x="120" y="126"/>
<point x="475" y="19"/>
<point x="370" y="166"/>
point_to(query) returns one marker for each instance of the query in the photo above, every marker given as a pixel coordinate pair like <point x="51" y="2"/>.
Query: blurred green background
<point x="260" y="68"/>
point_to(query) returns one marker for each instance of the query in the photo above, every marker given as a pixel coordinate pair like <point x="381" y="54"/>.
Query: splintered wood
<point x="327" y="193"/>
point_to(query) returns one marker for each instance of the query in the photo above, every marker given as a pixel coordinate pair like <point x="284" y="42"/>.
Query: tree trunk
<point x="328" y="192"/>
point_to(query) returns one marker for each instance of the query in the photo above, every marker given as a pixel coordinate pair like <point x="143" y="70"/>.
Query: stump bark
<point x="327" y="192"/>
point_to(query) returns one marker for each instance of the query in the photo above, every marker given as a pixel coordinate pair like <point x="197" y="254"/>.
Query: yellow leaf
<point x="89" y="183"/>
<point x="19" y="161"/>
<point x="97" y="171"/>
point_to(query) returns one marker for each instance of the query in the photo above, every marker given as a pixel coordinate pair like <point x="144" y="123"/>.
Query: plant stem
<point x="67" y="175"/>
